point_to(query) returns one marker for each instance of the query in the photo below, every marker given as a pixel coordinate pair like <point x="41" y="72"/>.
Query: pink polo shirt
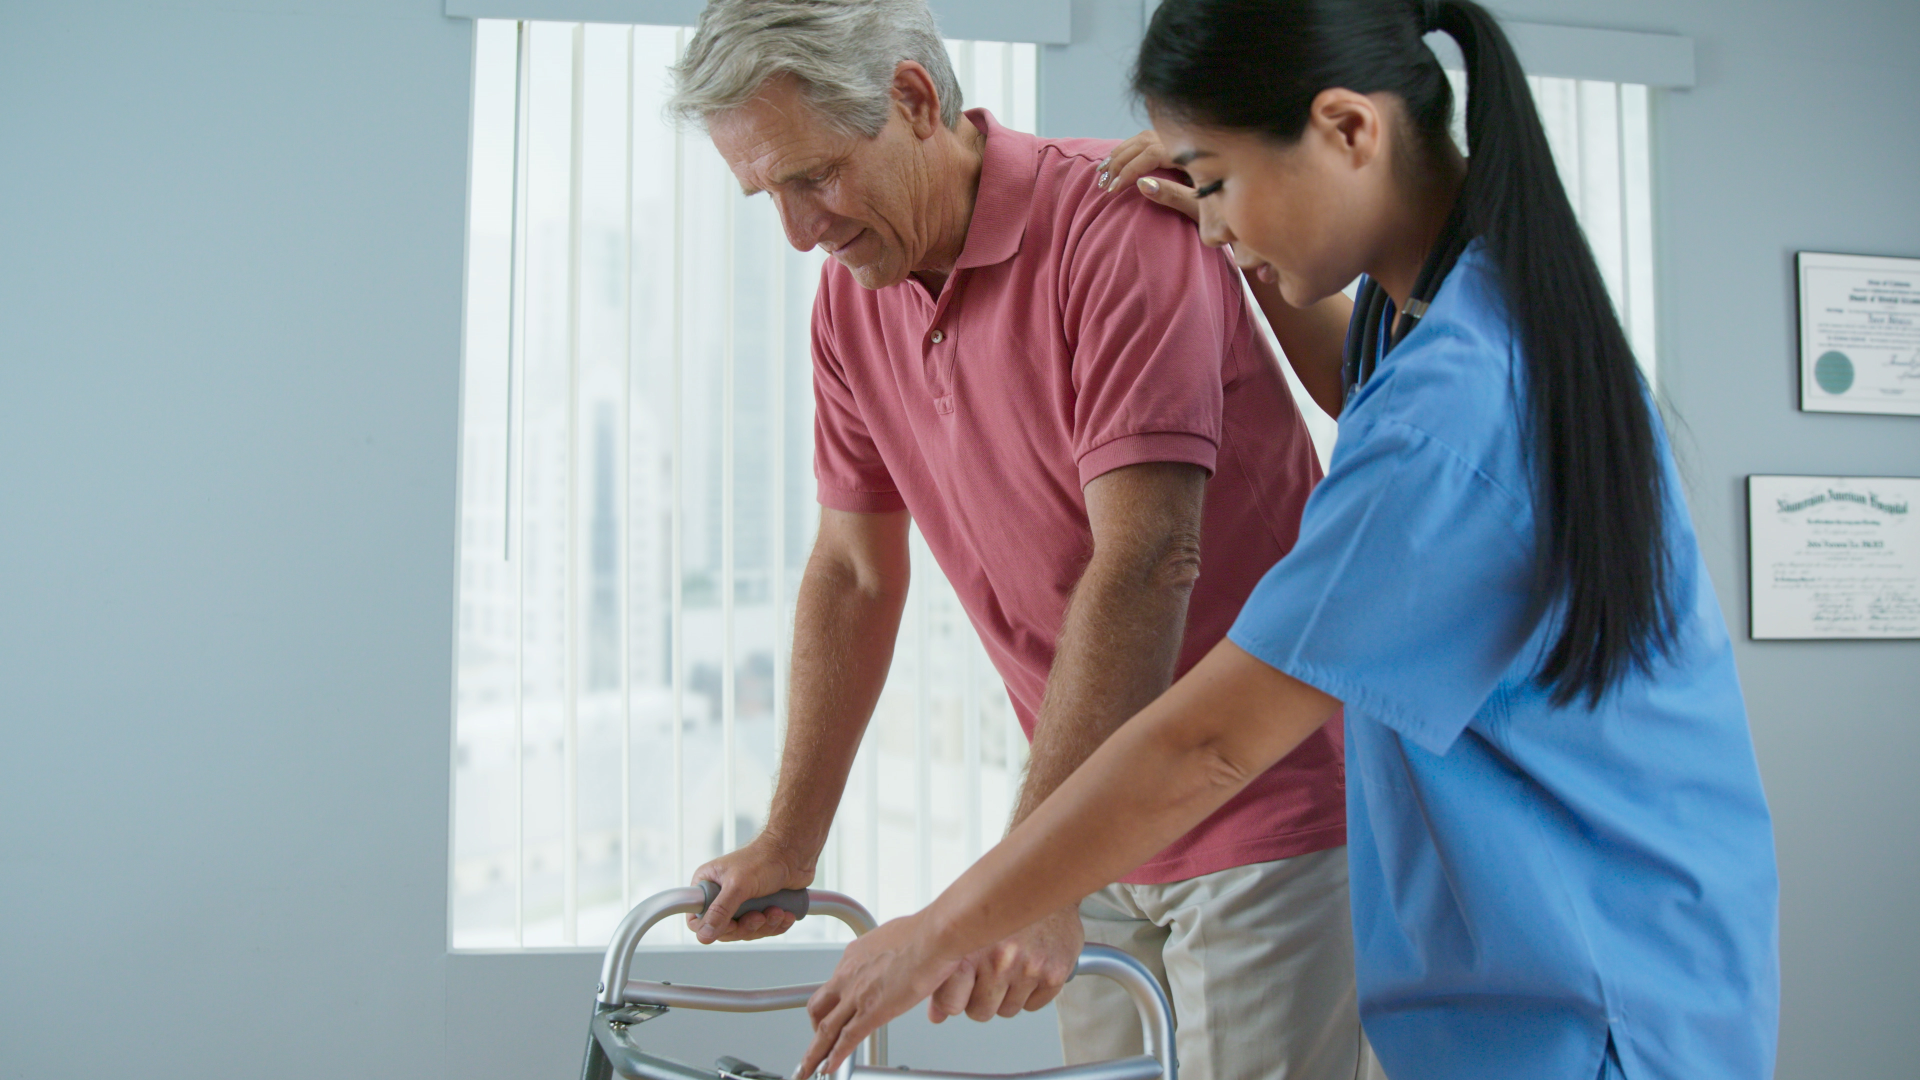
<point x="1080" y="332"/>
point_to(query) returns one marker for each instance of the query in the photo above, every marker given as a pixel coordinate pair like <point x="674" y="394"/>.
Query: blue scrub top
<point x="1528" y="880"/>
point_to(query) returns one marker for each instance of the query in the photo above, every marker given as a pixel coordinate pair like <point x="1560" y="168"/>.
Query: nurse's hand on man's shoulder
<point x="760" y="868"/>
<point x="1129" y="165"/>
<point x="1024" y="972"/>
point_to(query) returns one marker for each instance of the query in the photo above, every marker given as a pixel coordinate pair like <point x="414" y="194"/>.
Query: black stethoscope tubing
<point x="1370" y="304"/>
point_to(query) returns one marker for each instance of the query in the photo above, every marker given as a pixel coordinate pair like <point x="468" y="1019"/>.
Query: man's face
<point x="863" y="201"/>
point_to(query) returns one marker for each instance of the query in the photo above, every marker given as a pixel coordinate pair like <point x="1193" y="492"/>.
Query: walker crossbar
<point x="622" y="1004"/>
<point x="1156" y="1025"/>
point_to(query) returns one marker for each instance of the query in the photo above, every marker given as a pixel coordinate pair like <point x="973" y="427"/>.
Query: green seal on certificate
<point x="1834" y="372"/>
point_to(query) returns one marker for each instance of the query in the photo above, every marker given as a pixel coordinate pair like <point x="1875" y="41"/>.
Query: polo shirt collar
<point x="1009" y="163"/>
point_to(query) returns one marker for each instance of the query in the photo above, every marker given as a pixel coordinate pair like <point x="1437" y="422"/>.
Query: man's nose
<point x="804" y="222"/>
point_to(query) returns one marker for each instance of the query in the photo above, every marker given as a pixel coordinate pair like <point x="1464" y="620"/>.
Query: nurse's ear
<point x="1350" y="126"/>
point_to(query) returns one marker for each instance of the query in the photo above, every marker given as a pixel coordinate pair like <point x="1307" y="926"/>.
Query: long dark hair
<point x="1600" y="492"/>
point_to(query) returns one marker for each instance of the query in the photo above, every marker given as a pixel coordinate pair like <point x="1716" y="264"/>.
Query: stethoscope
<point x="1363" y="350"/>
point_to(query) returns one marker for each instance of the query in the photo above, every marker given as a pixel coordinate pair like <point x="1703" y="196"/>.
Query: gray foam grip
<point x="795" y="901"/>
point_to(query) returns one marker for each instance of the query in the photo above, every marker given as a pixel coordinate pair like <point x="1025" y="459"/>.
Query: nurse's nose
<point x="1213" y="230"/>
<point x="804" y="221"/>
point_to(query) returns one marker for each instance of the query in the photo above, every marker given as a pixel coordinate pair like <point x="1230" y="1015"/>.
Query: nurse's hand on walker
<point x="1178" y="760"/>
<point x="882" y="974"/>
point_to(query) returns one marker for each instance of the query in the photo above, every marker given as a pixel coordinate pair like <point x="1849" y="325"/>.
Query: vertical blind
<point x="637" y="501"/>
<point x="637" y="505"/>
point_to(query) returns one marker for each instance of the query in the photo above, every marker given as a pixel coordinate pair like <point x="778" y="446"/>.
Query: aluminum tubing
<point x="842" y="907"/>
<point x="617" y="965"/>
<point x="1156" y="1015"/>
<point x="1129" y="1068"/>
<point x="1156" y="1028"/>
<point x="715" y="999"/>
<point x="850" y="911"/>
<point x="619" y="958"/>
<point x="615" y="969"/>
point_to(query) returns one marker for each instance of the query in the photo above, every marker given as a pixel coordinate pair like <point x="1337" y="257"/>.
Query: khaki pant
<point x="1257" y="961"/>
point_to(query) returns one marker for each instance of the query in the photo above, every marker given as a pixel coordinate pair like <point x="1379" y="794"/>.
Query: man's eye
<point x="820" y="177"/>
<point x="1209" y="189"/>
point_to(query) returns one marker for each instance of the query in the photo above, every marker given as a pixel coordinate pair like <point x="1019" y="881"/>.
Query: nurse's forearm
<point x="1223" y="724"/>
<point x="1314" y="339"/>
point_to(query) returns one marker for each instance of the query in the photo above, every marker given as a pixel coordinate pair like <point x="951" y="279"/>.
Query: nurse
<point x="1561" y="858"/>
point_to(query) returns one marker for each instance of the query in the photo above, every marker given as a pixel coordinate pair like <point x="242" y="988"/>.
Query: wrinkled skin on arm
<point x="1116" y="652"/>
<point x="847" y="617"/>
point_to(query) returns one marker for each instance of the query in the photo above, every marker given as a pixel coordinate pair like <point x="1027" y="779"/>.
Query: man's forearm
<point x="1116" y="653"/>
<point x="844" y="630"/>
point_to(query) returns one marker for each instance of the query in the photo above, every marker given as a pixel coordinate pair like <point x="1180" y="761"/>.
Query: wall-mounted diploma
<point x="1859" y="334"/>
<point x="1833" y="557"/>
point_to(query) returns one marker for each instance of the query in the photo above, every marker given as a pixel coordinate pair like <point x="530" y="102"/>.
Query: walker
<point x="623" y="1004"/>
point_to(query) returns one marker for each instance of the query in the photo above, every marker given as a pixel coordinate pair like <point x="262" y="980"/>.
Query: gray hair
<point x="843" y="52"/>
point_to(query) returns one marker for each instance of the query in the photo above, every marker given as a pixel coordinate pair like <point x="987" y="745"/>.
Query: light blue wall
<point x="230" y="287"/>
<point x="230" y="252"/>
<point x="1799" y="135"/>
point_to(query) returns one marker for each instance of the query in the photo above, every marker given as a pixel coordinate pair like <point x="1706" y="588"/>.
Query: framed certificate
<point x="1833" y="557"/>
<point x="1859" y="334"/>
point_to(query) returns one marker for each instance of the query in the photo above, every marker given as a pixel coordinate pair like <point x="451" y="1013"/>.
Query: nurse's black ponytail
<point x="1257" y="65"/>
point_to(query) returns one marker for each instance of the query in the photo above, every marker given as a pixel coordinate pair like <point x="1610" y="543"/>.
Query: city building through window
<point x="636" y="501"/>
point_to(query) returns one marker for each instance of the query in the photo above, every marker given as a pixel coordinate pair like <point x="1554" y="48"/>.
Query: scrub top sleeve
<point x="1408" y="595"/>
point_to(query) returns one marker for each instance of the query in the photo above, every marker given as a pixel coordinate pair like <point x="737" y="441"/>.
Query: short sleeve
<point x="1149" y="313"/>
<point x="1408" y="595"/>
<point x="847" y="466"/>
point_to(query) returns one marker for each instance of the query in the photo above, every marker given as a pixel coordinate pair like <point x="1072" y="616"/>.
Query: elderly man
<point x="1067" y="392"/>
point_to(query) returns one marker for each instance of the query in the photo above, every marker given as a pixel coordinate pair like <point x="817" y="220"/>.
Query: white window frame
<point x="1040" y="22"/>
<point x="1081" y="92"/>
<point x="564" y="654"/>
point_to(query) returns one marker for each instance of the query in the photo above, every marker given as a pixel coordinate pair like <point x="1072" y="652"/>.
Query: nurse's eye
<point x="1210" y="189"/>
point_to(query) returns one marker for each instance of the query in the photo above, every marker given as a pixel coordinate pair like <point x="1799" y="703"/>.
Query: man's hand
<point x="760" y="868"/>
<point x="1026" y="971"/>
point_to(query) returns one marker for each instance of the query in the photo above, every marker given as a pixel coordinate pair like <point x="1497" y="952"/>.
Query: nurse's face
<point x="1315" y="211"/>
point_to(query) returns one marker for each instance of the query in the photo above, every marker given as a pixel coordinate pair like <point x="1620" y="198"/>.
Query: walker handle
<point x="795" y="901"/>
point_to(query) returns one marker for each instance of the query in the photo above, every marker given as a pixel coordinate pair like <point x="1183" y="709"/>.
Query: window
<point x="637" y="501"/>
<point x="1602" y="146"/>
<point x="637" y="505"/>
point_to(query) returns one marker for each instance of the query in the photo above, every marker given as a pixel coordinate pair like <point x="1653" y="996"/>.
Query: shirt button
<point x="938" y="337"/>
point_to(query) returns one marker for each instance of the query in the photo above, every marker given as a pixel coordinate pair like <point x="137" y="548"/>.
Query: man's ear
<point x="1351" y="122"/>
<point x="918" y="100"/>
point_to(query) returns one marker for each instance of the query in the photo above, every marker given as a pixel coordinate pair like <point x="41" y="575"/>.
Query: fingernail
<point x="1149" y="185"/>
<point x="1101" y="180"/>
